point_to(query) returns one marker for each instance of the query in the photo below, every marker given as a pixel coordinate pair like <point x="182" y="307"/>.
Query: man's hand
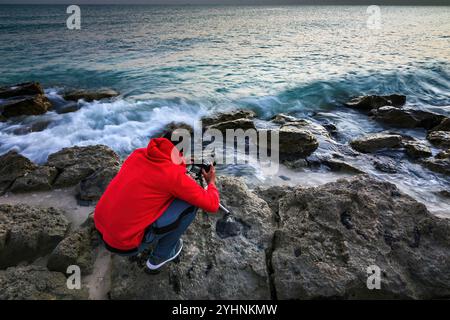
<point x="210" y="176"/>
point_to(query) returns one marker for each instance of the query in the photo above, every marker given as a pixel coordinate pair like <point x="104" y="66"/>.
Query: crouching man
<point x="152" y="200"/>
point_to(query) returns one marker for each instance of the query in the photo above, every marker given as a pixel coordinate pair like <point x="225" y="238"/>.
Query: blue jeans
<point x="166" y="242"/>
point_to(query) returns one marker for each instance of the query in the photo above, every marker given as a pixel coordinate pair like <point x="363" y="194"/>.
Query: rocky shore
<point x="293" y="242"/>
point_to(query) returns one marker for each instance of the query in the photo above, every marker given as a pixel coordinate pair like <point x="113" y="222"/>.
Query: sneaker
<point x="154" y="263"/>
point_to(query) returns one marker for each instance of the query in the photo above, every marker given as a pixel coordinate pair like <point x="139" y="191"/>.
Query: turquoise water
<point x="178" y="63"/>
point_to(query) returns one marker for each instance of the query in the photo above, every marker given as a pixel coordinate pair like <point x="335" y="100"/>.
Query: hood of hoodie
<point x="162" y="149"/>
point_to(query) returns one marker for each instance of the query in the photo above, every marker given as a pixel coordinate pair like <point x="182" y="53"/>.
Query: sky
<point x="365" y="2"/>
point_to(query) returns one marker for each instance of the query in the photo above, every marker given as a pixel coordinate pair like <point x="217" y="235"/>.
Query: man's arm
<point x="188" y="190"/>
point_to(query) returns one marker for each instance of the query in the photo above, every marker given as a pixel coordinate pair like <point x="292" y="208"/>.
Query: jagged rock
<point x="227" y="116"/>
<point x="211" y="267"/>
<point x="374" y="102"/>
<point x="335" y="165"/>
<point x="36" y="283"/>
<point x="31" y="127"/>
<point x="440" y="163"/>
<point x="77" y="163"/>
<point x="443" y="126"/>
<point x="22" y="89"/>
<point x="13" y="166"/>
<point x="29" y="232"/>
<point x="439" y="138"/>
<point x="89" y="96"/>
<point x="26" y="105"/>
<point x="78" y="248"/>
<point x="92" y="187"/>
<point x="39" y="179"/>
<point x="316" y="129"/>
<point x="272" y="195"/>
<point x="331" y="234"/>
<point x="407" y="117"/>
<point x="416" y="149"/>
<point x="375" y="142"/>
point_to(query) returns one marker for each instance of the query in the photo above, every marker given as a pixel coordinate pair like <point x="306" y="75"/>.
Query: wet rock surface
<point x="416" y="149"/>
<point x="77" y="163"/>
<point x="440" y="163"/>
<point x="439" y="138"/>
<point x="28" y="105"/>
<point x="218" y="118"/>
<point x="88" y="95"/>
<point x="22" y="89"/>
<point x="374" y="102"/>
<point x="29" y="232"/>
<point x="329" y="235"/>
<point x="36" y="283"/>
<point x="407" y="117"/>
<point x="375" y="142"/>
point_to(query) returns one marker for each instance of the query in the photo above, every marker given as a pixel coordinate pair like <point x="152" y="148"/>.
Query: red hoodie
<point x="142" y="190"/>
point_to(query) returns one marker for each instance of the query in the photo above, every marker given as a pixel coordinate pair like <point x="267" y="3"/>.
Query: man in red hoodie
<point x="152" y="200"/>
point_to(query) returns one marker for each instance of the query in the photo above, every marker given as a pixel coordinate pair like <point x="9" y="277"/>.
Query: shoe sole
<point x="153" y="267"/>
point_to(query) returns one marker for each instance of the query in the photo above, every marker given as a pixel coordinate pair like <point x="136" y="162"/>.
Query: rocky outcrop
<point x="78" y="248"/>
<point x="368" y="103"/>
<point x="23" y="99"/>
<point x="13" y="166"/>
<point x="416" y="149"/>
<point x="439" y="138"/>
<point x="443" y="126"/>
<point x="77" y="163"/>
<point x="375" y="142"/>
<point x="29" y="232"/>
<point x="36" y="283"/>
<point x="331" y="234"/>
<point x="211" y="267"/>
<point x="22" y="89"/>
<point x="243" y="124"/>
<point x="227" y="117"/>
<point x="92" y="187"/>
<point x="89" y="96"/>
<point x="407" y="117"/>
<point x="28" y="105"/>
<point x="440" y="163"/>
<point x="293" y="142"/>
<point x="40" y="178"/>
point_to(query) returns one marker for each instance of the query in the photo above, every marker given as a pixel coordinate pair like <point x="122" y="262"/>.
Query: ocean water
<point x="177" y="63"/>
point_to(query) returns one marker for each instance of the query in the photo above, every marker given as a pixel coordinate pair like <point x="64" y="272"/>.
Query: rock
<point x="27" y="105"/>
<point x="243" y="124"/>
<point x="439" y="138"/>
<point x="36" y="283"/>
<point x="78" y="248"/>
<point x="39" y="179"/>
<point x="27" y="233"/>
<point x="13" y="166"/>
<point x="416" y="149"/>
<point x="68" y="107"/>
<point x="282" y="118"/>
<point x="92" y="187"/>
<point x="443" y="126"/>
<point x="407" y="117"/>
<point x="32" y="127"/>
<point x="294" y="143"/>
<point x="374" y="102"/>
<point x="210" y="267"/>
<point x="89" y="96"/>
<point x="375" y="142"/>
<point x="272" y="196"/>
<point x="385" y="164"/>
<point x="331" y="234"/>
<point x="440" y="163"/>
<point x="77" y="163"/>
<point x="22" y="89"/>
<point x="315" y="128"/>
<point x="227" y="116"/>
<point x="335" y="165"/>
